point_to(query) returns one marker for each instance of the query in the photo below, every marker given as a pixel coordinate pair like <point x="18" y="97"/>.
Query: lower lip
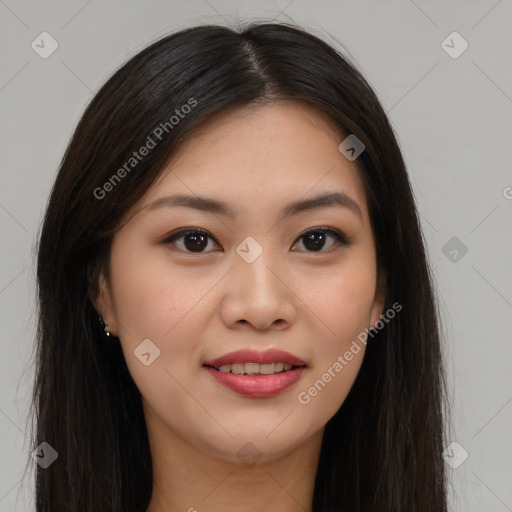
<point x="257" y="386"/>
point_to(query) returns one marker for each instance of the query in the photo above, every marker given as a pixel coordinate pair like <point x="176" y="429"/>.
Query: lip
<point x="257" y="386"/>
<point x="272" y="355"/>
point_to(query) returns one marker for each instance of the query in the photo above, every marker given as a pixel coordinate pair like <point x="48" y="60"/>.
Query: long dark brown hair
<point x="381" y="451"/>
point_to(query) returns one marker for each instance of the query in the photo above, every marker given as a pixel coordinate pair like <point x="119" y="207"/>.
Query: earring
<point x="105" y="326"/>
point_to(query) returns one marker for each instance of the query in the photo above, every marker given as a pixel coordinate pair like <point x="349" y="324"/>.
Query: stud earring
<point x="105" y="326"/>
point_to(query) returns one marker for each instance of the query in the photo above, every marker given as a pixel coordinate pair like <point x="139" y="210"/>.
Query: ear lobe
<point x="102" y="302"/>
<point x="377" y="310"/>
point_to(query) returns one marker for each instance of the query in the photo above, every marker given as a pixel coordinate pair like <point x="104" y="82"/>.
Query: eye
<point x="194" y="240"/>
<point x="314" y="239"/>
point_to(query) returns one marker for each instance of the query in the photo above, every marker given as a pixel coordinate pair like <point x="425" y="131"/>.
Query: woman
<point x="236" y="310"/>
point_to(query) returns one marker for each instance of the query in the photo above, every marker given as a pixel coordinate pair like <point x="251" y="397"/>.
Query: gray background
<point x="453" y="118"/>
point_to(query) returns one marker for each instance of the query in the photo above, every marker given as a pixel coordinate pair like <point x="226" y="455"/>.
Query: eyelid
<point x="185" y="231"/>
<point x="344" y="238"/>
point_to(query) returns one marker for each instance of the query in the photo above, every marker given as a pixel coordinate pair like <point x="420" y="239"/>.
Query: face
<point x="193" y="282"/>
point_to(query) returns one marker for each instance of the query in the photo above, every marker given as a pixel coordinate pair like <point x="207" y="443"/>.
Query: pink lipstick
<point x="257" y="374"/>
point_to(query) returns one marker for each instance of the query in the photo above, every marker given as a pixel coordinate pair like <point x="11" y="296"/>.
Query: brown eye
<point x="314" y="240"/>
<point x="195" y="241"/>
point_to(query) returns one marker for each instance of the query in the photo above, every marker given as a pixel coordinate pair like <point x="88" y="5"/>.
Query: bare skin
<point x="196" y="306"/>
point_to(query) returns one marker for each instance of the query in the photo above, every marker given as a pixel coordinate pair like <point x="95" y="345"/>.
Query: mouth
<point x="256" y="374"/>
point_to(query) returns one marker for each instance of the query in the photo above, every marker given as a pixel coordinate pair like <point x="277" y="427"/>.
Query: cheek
<point x="342" y="302"/>
<point x="152" y="301"/>
<point x="165" y="308"/>
<point x="168" y="309"/>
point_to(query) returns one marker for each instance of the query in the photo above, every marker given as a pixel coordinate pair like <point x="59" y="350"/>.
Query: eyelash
<point x="339" y="237"/>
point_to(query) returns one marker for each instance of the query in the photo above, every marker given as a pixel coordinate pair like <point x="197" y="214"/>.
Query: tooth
<point x="238" y="368"/>
<point x="267" y="369"/>
<point x="252" y="368"/>
<point x="255" y="368"/>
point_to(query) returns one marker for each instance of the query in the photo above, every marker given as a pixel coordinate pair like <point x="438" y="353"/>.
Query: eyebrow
<point x="206" y="204"/>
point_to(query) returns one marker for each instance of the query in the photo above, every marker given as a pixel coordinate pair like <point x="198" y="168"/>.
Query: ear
<point x="379" y="300"/>
<point x="101" y="297"/>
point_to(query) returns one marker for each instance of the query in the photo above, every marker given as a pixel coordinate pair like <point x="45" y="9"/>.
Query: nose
<point x="258" y="294"/>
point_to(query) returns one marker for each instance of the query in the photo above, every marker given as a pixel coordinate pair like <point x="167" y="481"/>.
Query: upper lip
<point x="272" y="355"/>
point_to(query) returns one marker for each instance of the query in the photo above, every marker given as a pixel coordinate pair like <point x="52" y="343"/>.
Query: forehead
<point x="256" y="156"/>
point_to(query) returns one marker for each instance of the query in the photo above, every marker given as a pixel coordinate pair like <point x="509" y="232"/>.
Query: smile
<point x="255" y="373"/>
<point x="255" y="368"/>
